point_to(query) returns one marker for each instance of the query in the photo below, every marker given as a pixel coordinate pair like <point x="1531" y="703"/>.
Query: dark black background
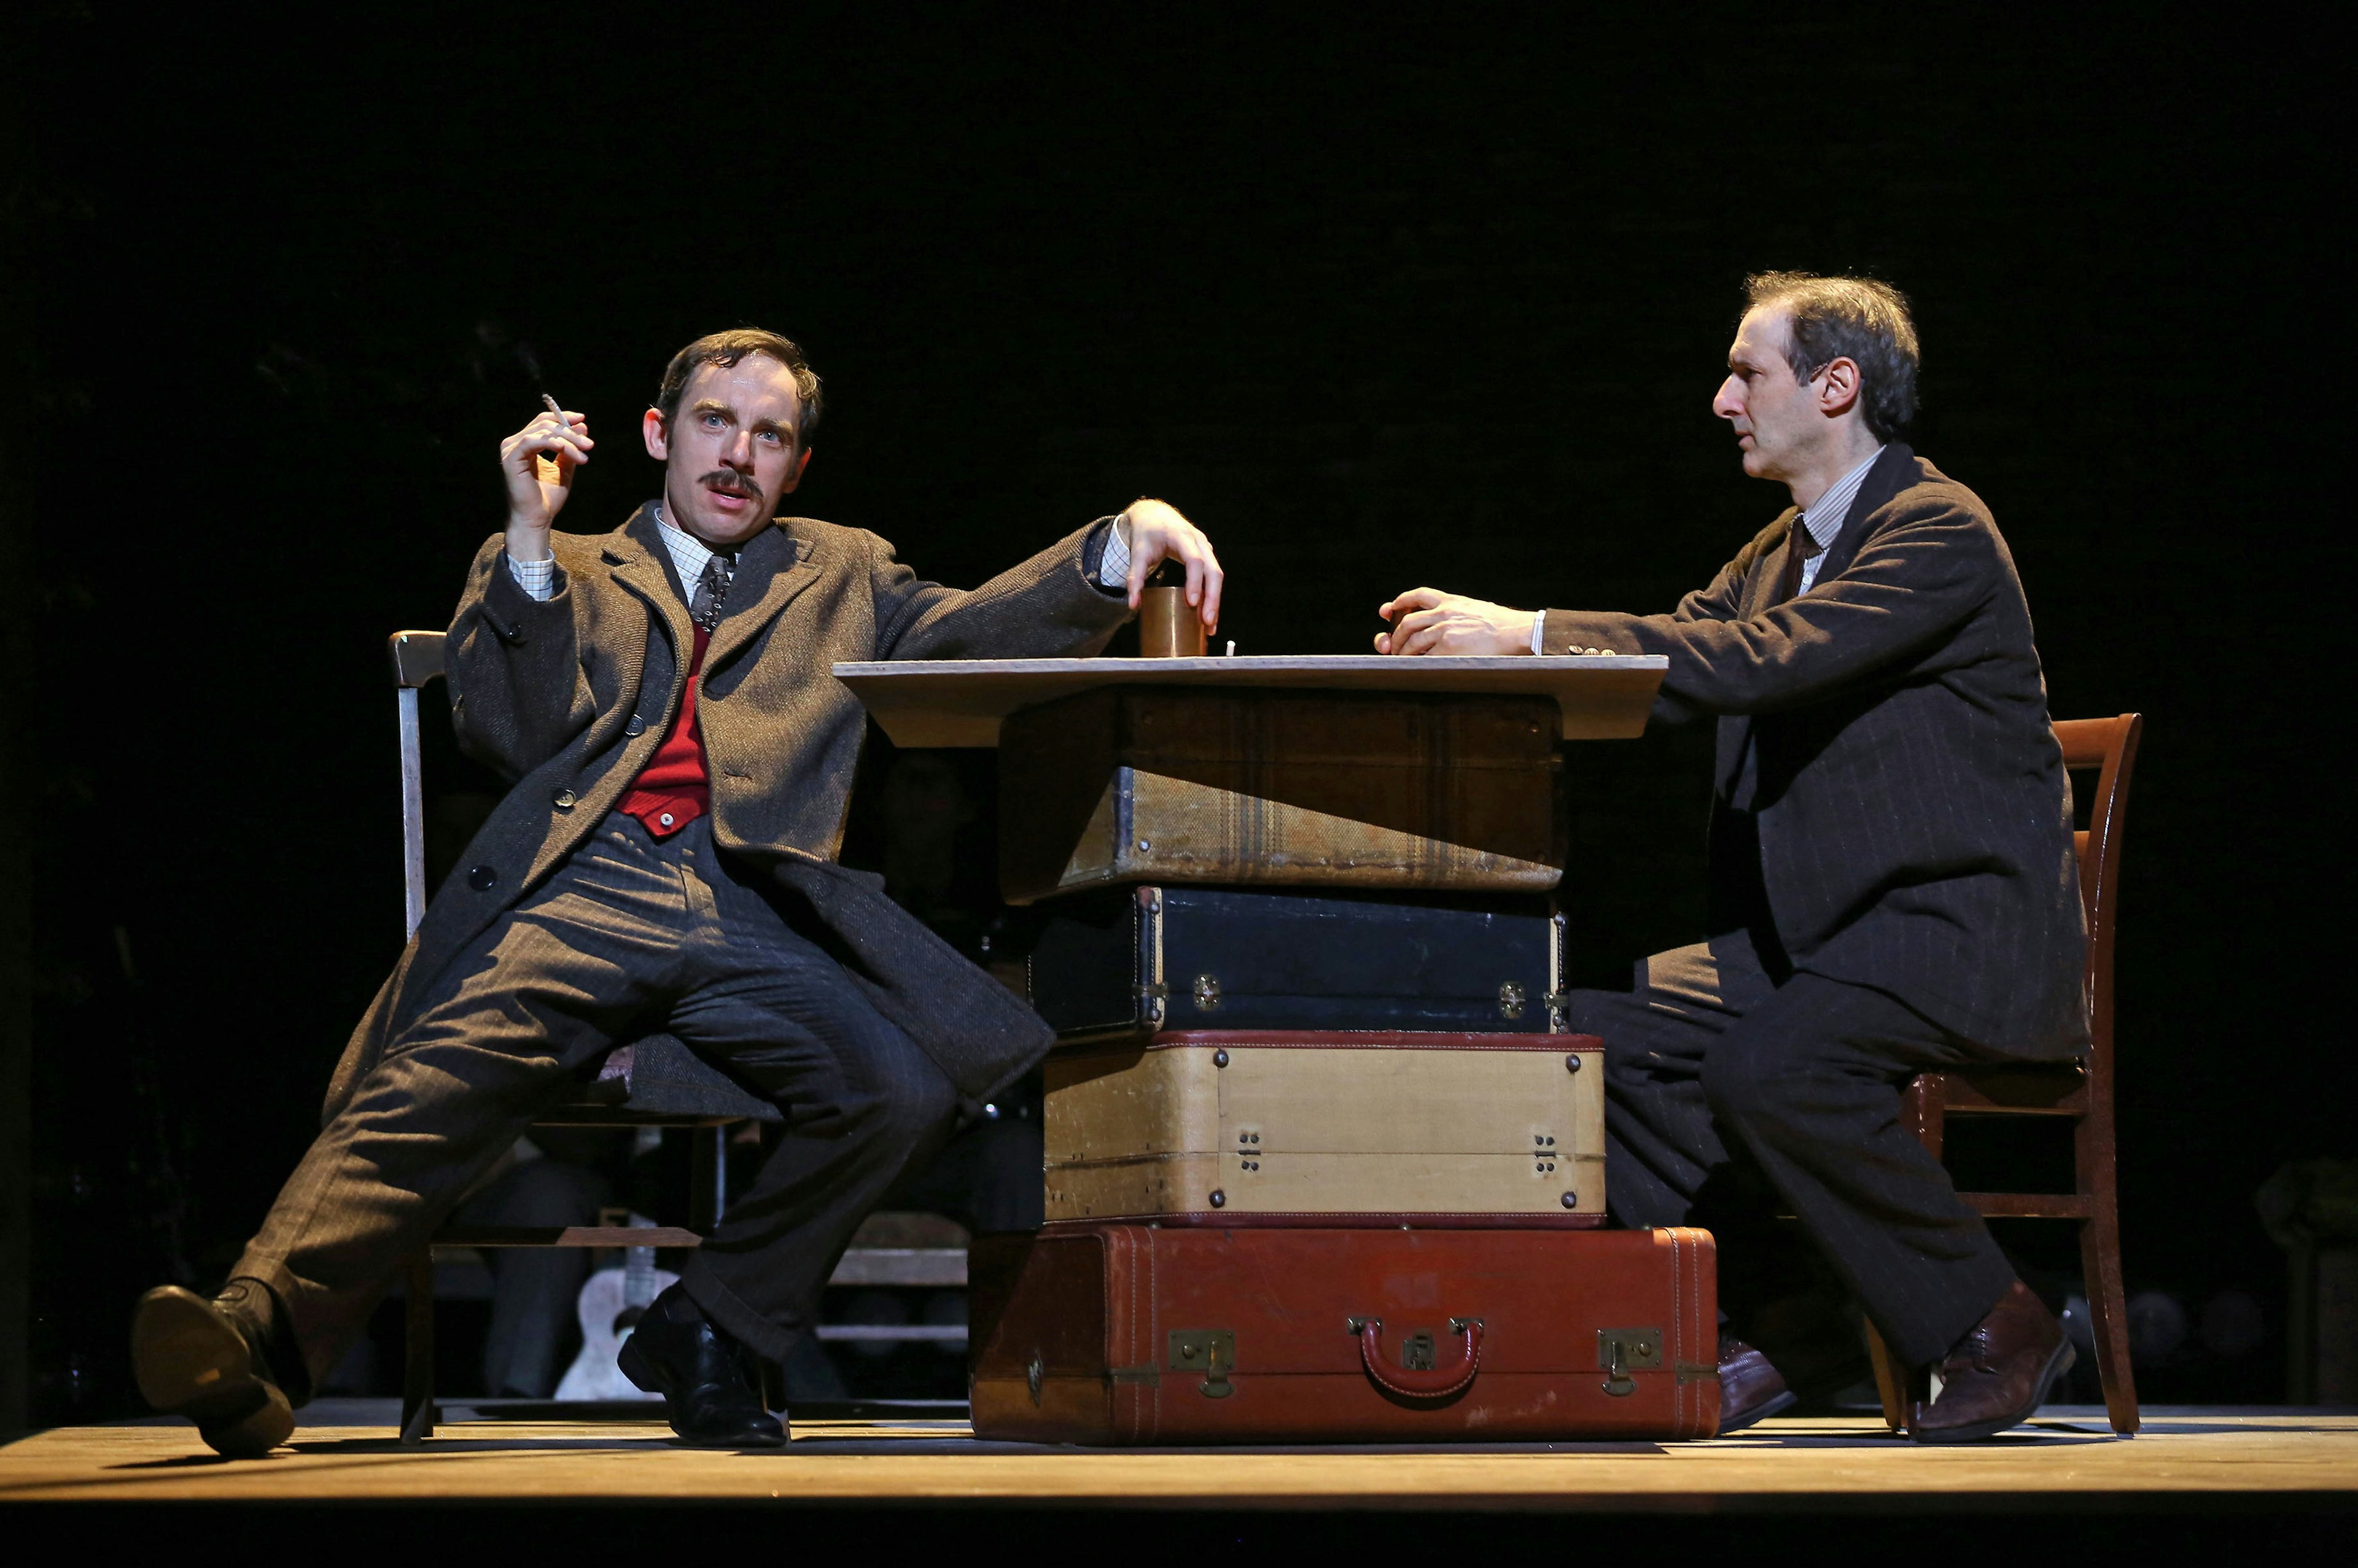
<point x="1376" y="305"/>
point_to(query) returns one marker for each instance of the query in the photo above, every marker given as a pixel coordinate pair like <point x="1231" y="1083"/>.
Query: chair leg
<point x="709" y="1176"/>
<point x="773" y="1385"/>
<point x="2100" y="1268"/>
<point x="417" y="1411"/>
<point x="1924" y="1111"/>
<point x="1890" y="1380"/>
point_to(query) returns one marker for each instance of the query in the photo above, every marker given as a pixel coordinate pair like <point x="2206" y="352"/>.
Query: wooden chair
<point x="2080" y="1091"/>
<point x="653" y="1082"/>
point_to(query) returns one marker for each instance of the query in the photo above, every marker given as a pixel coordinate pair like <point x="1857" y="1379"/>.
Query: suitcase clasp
<point x="1211" y="1351"/>
<point x="1512" y="998"/>
<point x="1622" y="1351"/>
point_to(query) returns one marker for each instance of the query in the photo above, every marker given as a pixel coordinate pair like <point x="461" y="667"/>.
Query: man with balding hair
<point x="1892" y="882"/>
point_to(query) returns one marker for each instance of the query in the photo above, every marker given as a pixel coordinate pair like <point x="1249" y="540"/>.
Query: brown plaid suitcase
<point x="1173" y="784"/>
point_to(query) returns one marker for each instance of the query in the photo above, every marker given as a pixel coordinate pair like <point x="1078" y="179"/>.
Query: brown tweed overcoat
<point x="570" y="696"/>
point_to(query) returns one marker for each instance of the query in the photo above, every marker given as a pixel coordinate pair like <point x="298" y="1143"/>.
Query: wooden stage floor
<point x="2185" y="1459"/>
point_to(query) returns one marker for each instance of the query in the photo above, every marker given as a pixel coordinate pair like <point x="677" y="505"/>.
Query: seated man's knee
<point x="899" y="1096"/>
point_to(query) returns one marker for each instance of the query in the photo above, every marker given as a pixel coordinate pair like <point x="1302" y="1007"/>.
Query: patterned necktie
<point x="711" y="590"/>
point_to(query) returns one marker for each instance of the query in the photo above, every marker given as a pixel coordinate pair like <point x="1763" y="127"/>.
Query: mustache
<point x="730" y="482"/>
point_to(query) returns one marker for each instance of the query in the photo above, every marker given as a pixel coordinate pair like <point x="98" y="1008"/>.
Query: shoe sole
<point x="1762" y="1412"/>
<point x="2063" y="1361"/>
<point x="640" y="1368"/>
<point x="190" y="1360"/>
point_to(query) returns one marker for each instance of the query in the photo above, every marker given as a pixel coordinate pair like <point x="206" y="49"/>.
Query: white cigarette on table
<point x="550" y="471"/>
<point x="1232" y="649"/>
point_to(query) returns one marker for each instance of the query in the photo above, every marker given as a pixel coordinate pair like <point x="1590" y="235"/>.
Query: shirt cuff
<point x="534" y="577"/>
<point x="1113" y="568"/>
<point x="1538" y="629"/>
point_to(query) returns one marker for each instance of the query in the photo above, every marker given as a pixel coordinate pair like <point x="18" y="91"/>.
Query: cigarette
<point x="549" y="473"/>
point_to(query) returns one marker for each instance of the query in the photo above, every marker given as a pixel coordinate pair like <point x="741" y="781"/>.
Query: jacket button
<point x="637" y="725"/>
<point x="482" y="879"/>
<point x="566" y="799"/>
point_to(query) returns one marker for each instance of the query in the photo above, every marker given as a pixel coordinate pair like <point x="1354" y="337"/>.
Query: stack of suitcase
<point x="1322" y="1163"/>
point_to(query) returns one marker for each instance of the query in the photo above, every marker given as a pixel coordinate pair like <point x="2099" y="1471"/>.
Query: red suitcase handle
<point x="1439" y="1382"/>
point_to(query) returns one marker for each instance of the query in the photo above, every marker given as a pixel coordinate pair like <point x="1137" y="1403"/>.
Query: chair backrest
<point x="2110" y="747"/>
<point x="417" y="659"/>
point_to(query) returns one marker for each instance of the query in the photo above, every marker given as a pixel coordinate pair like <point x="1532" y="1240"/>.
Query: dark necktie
<point x="1802" y="545"/>
<point x="711" y="590"/>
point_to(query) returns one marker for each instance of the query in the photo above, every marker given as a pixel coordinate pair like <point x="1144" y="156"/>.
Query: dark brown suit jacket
<point x="1891" y="808"/>
<point x="570" y="696"/>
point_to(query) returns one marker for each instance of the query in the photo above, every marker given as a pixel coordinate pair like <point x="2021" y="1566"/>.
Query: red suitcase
<point x="1117" y="1333"/>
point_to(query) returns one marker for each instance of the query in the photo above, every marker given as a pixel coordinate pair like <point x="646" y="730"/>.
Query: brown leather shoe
<point x="1751" y="1389"/>
<point x="1998" y="1374"/>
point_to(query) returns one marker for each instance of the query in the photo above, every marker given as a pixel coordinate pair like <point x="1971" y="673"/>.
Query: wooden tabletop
<point x="959" y="702"/>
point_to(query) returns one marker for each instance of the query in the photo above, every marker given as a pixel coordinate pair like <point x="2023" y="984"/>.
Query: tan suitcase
<point x="1332" y="1128"/>
<point x="1170" y="785"/>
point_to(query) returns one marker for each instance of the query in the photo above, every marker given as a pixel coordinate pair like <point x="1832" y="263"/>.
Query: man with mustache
<point x="1893" y="887"/>
<point x="660" y="695"/>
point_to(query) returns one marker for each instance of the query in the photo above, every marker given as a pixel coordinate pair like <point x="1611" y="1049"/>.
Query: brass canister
<point x="1168" y="626"/>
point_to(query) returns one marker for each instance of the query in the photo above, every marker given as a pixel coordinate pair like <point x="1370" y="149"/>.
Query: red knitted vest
<point x="674" y="789"/>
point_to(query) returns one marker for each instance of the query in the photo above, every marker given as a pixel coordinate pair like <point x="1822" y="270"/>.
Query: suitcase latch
<point x="1622" y="1351"/>
<point x="1510" y="1000"/>
<point x="1208" y="993"/>
<point x="1211" y="1351"/>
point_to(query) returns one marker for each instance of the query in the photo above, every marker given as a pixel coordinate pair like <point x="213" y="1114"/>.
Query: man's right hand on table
<point x="1427" y="621"/>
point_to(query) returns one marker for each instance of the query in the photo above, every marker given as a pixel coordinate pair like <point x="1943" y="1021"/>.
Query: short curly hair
<point x="726" y="349"/>
<point x="1853" y="318"/>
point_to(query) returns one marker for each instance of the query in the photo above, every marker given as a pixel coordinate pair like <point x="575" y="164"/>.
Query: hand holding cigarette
<point x="538" y="462"/>
<point x="544" y="464"/>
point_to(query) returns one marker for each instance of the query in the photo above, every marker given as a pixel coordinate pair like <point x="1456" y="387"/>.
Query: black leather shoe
<point x="710" y="1384"/>
<point x="1751" y="1389"/>
<point x="198" y="1359"/>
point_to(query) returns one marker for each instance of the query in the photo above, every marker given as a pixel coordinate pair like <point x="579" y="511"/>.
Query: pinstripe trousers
<point x="1729" y="1096"/>
<point x="630" y="935"/>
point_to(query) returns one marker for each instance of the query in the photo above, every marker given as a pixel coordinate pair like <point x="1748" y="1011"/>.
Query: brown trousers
<point x="632" y="935"/>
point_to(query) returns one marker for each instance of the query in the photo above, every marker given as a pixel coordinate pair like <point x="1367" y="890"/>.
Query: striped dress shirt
<point x="1826" y="515"/>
